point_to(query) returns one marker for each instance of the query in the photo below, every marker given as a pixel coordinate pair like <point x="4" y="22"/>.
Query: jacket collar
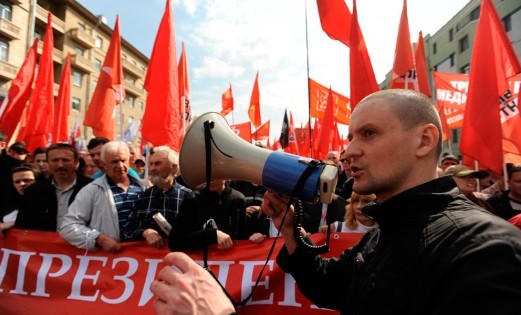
<point x="410" y="205"/>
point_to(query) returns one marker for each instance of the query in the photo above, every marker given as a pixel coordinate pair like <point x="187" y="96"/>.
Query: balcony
<point x="82" y="63"/>
<point x="57" y="24"/>
<point x="132" y="89"/>
<point x="8" y="29"/>
<point x="132" y="69"/>
<point x="57" y="55"/>
<point x="82" y="37"/>
<point x="7" y="70"/>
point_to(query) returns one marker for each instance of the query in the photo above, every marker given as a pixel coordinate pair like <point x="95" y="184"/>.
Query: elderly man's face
<point x="160" y="169"/>
<point x="117" y="165"/>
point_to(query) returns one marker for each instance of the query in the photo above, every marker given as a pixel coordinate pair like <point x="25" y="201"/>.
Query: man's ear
<point x="429" y="138"/>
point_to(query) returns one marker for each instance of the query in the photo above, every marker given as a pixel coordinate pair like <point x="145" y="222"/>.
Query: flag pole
<point x="121" y="111"/>
<point x="307" y="69"/>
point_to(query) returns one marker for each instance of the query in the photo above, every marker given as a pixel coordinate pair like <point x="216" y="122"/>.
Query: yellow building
<point x="82" y="34"/>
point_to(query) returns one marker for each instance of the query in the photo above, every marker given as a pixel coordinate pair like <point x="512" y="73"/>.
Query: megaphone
<point x="232" y="158"/>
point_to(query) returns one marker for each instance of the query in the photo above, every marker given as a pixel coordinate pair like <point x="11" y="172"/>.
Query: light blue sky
<point x="228" y="41"/>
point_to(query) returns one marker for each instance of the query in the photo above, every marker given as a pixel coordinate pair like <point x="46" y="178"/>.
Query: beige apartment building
<point x="82" y="34"/>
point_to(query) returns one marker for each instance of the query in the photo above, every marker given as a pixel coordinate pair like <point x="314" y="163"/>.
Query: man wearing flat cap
<point x="466" y="179"/>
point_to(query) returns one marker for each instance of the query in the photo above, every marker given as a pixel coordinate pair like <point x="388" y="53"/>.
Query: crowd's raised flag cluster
<point x="489" y="127"/>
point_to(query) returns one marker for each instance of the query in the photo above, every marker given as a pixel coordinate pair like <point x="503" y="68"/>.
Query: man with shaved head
<point x="432" y="252"/>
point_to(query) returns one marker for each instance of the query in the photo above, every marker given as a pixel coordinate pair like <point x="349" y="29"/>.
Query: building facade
<point x="82" y="34"/>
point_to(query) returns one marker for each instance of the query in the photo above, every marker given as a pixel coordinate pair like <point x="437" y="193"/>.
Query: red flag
<point x="303" y="140"/>
<point x="40" y="111"/>
<point x="292" y="146"/>
<point x="403" y="74"/>
<point x="276" y="145"/>
<point x="160" y="125"/>
<point x="451" y="94"/>
<point x="326" y="131"/>
<point x="318" y="102"/>
<point x="336" y="144"/>
<point x="227" y="101"/>
<point x="493" y="62"/>
<point x="185" y="106"/>
<point x="243" y="130"/>
<point x="75" y="134"/>
<point x="254" y="109"/>
<point x="19" y="92"/>
<point x="60" y="127"/>
<point x="363" y="82"/>
<point x="335" y="19"/>
<point x="101" y="111"/>
<point x="421" y="67"/>
<point x="263" y="132"/>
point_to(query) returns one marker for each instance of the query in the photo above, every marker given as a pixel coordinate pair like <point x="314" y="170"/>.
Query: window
<point x="37" y="35"/>
<point x="76" y="78"/>
<point x="141" y="106"/>
<point x="130" y="119"/>
<point x="124" y="56"/>
<point x="79" y="51"/>
<point x="99" y="42"/>
<point x="97" y="64"/>
<point x="451" y="35"/>
<point x="434" y="49"/>
<point x="452" y="61"/>
<point x="81" y="26"/>
<point x="507" y="22"/>
<point x="465" y="69"/>
<point x="6" y="11"/>
<point x="76" y="104"/>
<point x="134" y="62"/>
<point x="4" y="49"/>
<point x="474" y="15"/>
<point x="464" y="43"/>
<point x="130" y="101"/>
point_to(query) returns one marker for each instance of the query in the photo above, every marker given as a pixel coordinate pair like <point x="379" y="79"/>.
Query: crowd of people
<point x="438" y="236"/>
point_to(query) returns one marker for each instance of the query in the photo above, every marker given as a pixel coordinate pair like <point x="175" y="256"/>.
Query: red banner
<point x="318" y="103"/>
<point x="42" y="274"/>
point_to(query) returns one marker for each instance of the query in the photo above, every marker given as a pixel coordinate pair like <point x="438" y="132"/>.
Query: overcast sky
<point x="228" y="41"/>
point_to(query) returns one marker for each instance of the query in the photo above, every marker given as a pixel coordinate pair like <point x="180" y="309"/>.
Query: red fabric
<point x="511" y="121"/>
<point x="318" y="102"/>
<point x="422" y="73"/>
<point x="303" y="140"/>
<point x="337" y="141"/>
<point x="263" y="132"/>
<point x="326" y="132"/>
<point x="43" y="274"/>
<point x="403" y="67"/>
<point x="243" y="130"/>
<point x="363" y="81"/>
<point x="292" y="146"/>
<point x="40" y="111"/>
<point x="335" y="19"/>
<point x="227" y="101"/>
<point x="491" y="66"/>
<point x="185" y="106"/>
<point x="63" y="104"/>
<point x="160" y="125"/>
<point x="254" y="109"/>
<point x="516" y="220"/>
<point x="108" y="92"/>
<point x="451" y="94"/>
<point x="19" y="93"/>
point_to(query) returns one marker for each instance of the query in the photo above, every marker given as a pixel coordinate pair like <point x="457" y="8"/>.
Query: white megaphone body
<point x="233" y="158"/>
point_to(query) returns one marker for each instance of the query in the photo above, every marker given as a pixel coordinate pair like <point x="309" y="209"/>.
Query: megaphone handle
<point x="299" y="212"/>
